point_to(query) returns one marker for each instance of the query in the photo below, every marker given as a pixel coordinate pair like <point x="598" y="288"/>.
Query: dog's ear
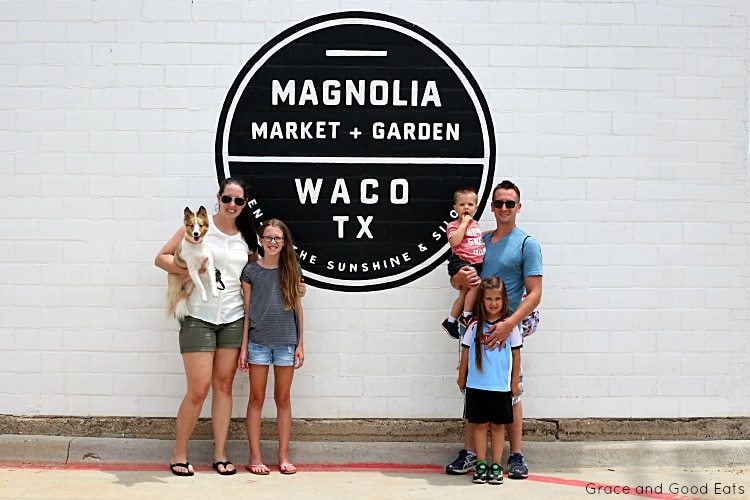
<point x="188" y="212"/>
<point x="202" y="211"/>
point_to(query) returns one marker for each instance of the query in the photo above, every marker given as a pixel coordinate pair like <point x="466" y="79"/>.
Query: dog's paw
<point x="204" y="297"/>
<point x="215" y="292"/>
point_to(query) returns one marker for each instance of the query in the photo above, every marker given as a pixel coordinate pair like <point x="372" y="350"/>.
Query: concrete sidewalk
<point x="542" y="456"/>
<point x="55" y="467"/>
<point x="80" y="484"/>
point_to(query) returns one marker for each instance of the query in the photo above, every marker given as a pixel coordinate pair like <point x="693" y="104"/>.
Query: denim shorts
<point x="280" y="355"/>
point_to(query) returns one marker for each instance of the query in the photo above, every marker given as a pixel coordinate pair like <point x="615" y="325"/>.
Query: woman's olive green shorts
<point x="197" y="335"/>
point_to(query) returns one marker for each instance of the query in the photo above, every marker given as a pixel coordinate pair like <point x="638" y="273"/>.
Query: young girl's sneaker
<point x="495" y="475"/>
<point x="480" y="474"/>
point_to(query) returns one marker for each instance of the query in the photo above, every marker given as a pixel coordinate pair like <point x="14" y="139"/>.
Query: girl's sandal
<point x="287" y="469"/>
<point x="258" y="469"/>
<point x="225" y="464"/>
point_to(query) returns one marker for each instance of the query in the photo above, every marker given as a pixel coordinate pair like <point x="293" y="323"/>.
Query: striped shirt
<point x="270" y="324"/>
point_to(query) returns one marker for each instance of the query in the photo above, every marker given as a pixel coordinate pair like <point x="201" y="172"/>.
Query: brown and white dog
<point x="194" y="255"/>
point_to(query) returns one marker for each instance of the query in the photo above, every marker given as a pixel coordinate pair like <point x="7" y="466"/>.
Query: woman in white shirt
<point x="211" y="335"/>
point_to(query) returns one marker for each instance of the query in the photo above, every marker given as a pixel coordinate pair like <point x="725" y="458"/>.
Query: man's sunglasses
<point x="500" y="203"/>
<point x="237" y="201"/>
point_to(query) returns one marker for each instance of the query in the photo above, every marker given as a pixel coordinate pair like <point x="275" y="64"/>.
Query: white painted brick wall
<point x="624" y="123"/>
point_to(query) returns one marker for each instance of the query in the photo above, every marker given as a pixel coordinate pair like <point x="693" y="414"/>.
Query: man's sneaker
<point x="517" y="467"/>
<point x="480" y="475"/>
<point x="464" y="463"/>
<point x="451" y="328"/>
<point x="495" y="475"/>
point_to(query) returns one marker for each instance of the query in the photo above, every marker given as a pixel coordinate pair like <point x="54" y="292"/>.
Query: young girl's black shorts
<point x="488" y="406"/>
<point x="456" y="263"/>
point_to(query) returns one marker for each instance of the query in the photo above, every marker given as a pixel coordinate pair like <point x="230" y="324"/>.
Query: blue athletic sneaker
<point x="464" y="463"/>
<point x="517" y="467"/>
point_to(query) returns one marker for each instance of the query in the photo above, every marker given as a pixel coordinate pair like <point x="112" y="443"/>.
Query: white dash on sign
<point x="356" y="53"/>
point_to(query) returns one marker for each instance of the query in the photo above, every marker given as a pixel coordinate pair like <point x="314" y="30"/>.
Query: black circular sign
<point x="355" y="128"/>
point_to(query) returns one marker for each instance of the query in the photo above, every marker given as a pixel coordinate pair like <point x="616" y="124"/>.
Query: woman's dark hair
<point x="491" y="283"/>
<point x="245" y="221"/>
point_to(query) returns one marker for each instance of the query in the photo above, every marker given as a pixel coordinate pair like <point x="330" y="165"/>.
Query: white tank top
<point x="230" y="257"/>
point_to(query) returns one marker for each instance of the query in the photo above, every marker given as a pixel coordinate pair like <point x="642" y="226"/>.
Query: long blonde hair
<point x="289" y="274"/>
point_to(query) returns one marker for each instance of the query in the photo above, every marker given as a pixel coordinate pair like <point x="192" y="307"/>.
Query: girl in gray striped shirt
<point x="272" y="335"/>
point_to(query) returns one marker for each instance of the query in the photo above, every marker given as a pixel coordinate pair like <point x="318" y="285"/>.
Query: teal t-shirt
<point x="504" y="260"/>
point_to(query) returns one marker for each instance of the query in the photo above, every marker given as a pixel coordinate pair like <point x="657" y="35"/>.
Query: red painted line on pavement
<point x="348" y="467"/>
<point x="148" y="467"/>
<point x="91" y="466"/>
<point x="373" y="467"/>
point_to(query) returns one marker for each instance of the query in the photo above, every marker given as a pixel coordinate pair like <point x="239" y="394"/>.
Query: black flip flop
<point x="186" y="465"/>
<point x="225" y="472"/>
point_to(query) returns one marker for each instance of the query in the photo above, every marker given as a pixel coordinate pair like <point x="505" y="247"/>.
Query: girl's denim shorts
<point x="280" y="355"/>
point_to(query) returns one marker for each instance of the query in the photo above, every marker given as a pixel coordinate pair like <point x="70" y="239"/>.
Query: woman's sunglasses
<point x="237" y="201"/>
<point x="500" y="203"/>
